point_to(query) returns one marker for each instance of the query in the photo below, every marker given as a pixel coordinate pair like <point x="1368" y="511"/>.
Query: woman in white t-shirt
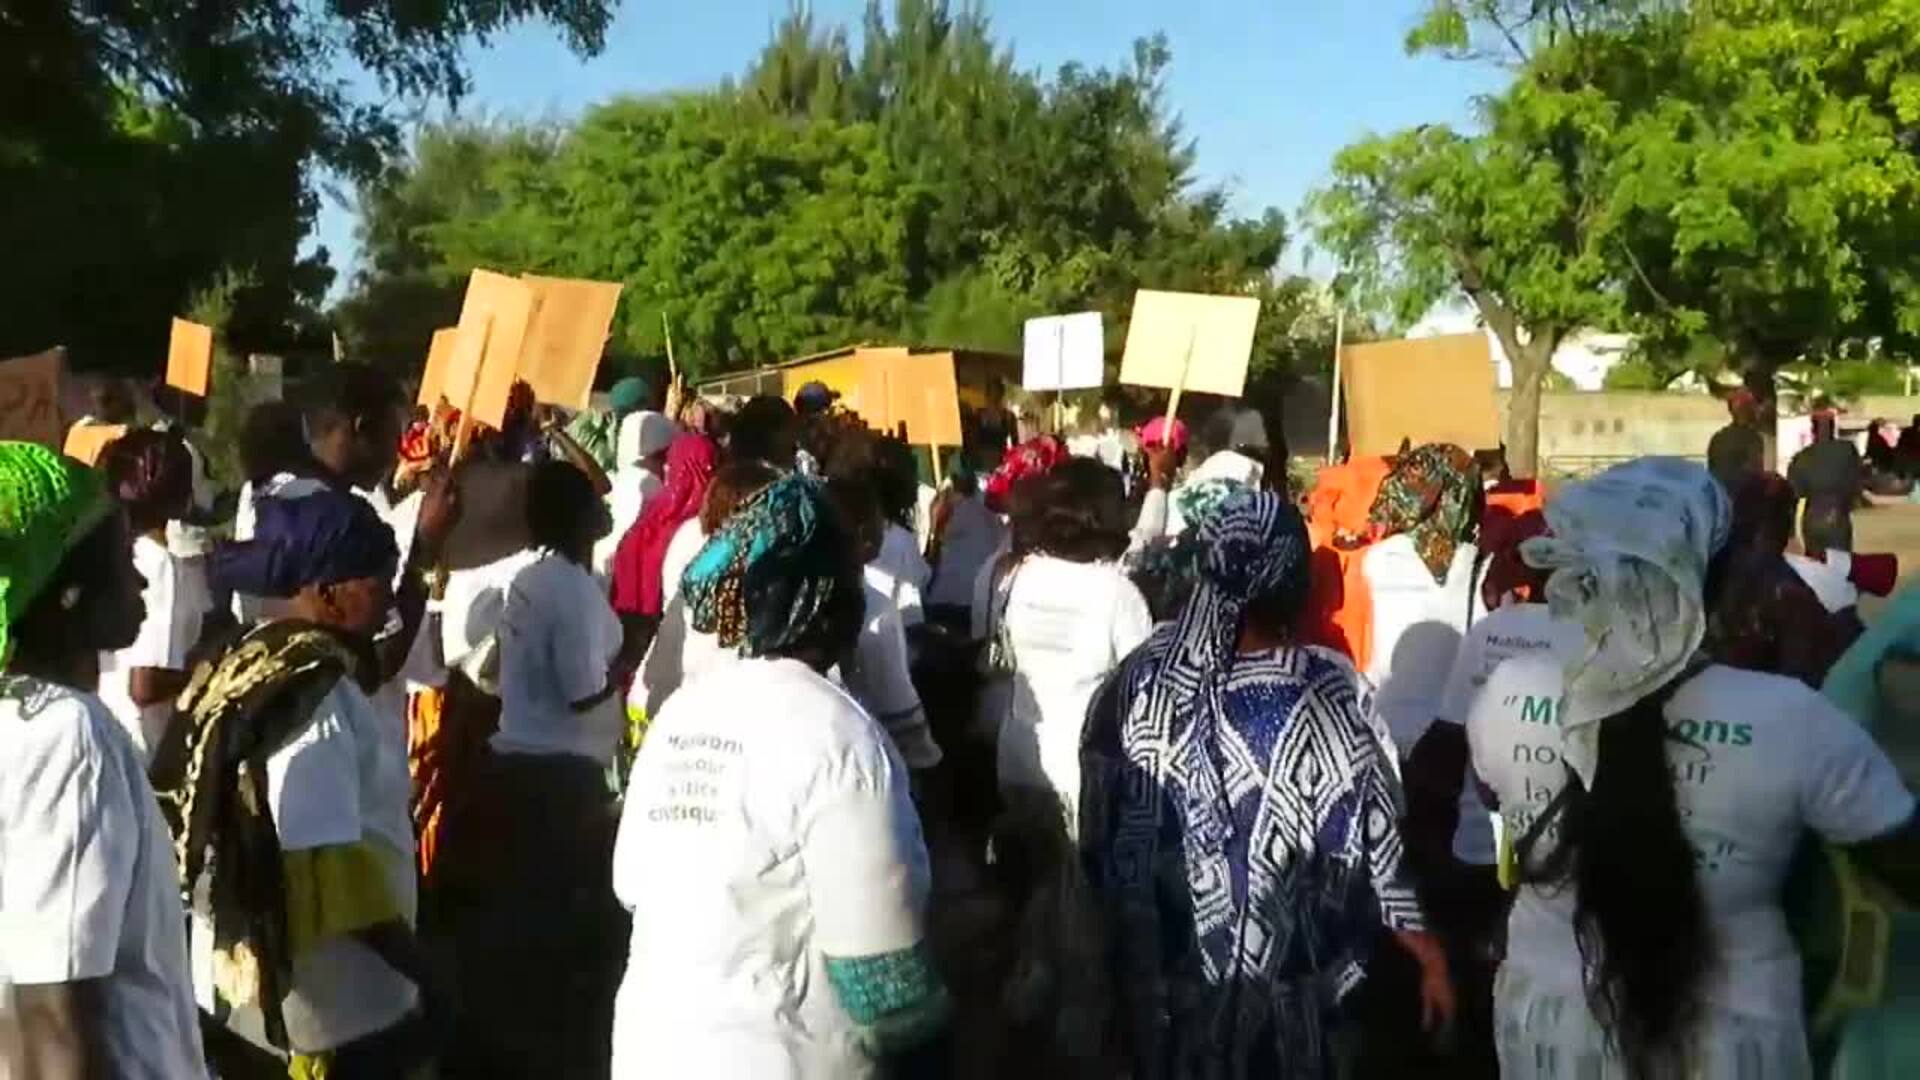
<point x="1653" y="802"/>
<point x="769" y="848"/>
<point x="1065" y="615"/>
<point x="93" y="962"/>
<point x="1421" y="576"/>
<point x="151" y="475"/>
<point x="527" y="846"/>
<point x="299" y="849"/>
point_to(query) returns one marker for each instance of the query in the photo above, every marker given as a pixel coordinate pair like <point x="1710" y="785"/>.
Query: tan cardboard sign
<point x="30" y="398"/>
<point x="85" y="442"/>
<point x="433" y="381"/>
<point x="1422" y="390"/>
<point x="494" y="320"/>
<point x="190" y="357"/>
<point x="568" y="336"/>
<point x="1191" y="342"/>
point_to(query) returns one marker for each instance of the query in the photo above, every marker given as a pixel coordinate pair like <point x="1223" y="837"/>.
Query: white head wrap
<point x="642" y="435"/>
<point x="1629" y="550"/>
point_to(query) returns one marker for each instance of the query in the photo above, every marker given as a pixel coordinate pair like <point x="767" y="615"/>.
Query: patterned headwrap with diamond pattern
<point x="48" y="503"/>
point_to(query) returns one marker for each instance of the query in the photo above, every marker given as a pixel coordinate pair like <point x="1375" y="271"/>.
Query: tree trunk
<point x="1758" y="375"/>
<point x="1530" y="363"/>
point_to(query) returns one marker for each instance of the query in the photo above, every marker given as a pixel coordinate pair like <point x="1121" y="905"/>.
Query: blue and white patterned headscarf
<point x="1629" y="550"/>
<point x="1254" y="543"/>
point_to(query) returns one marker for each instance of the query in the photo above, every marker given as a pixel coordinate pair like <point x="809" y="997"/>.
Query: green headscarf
<point x="628" y="395"/>
<point x="48" y="503"/>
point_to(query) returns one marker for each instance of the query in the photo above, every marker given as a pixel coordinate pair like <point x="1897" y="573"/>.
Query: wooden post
<point x="1180" y="385"/>
<point x="465" y="432"/>
<point x="1333" y="412"/>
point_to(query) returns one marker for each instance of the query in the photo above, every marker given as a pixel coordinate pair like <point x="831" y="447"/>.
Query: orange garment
<point x="425" y="714"/>
<point x="447" y="733"/>
<point x="1339" y="612"/>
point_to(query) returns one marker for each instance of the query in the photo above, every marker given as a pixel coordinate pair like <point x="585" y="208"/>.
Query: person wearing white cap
<point x="640" y="453"/>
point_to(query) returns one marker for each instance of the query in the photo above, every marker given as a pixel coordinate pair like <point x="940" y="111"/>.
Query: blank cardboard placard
<point x="1438" y="389"/>
<point x="86" y="441"/>
<point x="923" y="394"/>
<point x="190" y="357"/>
<point x="1191" y="341"/>
<point x="568" y="336"/>
<point x="433" y="381"/>
<point x="486" y="361"/>
<point x="872" y="395"/>
<point x="30" y="398"/>
<point x="1064" y="352"/>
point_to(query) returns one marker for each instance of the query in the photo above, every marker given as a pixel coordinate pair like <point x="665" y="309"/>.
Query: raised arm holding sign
<point x="1190" y="341"/>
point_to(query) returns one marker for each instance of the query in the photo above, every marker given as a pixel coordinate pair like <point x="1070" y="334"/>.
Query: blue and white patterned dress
<point x="1239" y="933"/>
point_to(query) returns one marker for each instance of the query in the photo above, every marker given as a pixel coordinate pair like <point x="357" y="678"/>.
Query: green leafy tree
<point x="145" y="148"/>
<point x="1761" y="199"/>
<point x="923" y="188"/>
<point x="1418" y="216"/>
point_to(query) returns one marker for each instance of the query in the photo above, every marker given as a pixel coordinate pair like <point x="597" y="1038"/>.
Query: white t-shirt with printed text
<point x="88" y="890"/>
<point x="778" y="845"/>
<point x="1515" y="630"/>
<point x="1757" y="760"/>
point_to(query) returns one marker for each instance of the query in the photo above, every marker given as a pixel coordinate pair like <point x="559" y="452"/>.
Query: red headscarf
<point x="637" y="588"/>
<point x="1034" y="457"/>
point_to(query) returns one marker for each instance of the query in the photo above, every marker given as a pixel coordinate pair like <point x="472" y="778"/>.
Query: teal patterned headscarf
<point x="777" y="571"/>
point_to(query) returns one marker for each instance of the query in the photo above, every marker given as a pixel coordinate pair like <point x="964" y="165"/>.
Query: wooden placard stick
<point x="1180" y="384"/>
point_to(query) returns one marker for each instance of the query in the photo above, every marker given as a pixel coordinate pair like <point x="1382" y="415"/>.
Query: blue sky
<point x="1269" y="89"/>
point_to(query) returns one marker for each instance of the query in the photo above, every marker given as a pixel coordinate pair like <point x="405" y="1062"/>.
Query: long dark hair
<point x="1638" y="913"/>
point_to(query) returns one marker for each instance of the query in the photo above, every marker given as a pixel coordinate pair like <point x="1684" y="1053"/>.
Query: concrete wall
<point x="1580" y="431"/>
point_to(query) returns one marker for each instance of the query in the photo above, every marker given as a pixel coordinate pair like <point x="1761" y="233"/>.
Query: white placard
<point x="1065" y="352"/>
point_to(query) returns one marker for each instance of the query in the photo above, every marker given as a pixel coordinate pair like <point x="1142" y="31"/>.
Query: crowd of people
<point x="734" y="740"/>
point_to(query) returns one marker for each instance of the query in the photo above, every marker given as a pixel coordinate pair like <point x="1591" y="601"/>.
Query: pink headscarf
<point x="637" y="588"/>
